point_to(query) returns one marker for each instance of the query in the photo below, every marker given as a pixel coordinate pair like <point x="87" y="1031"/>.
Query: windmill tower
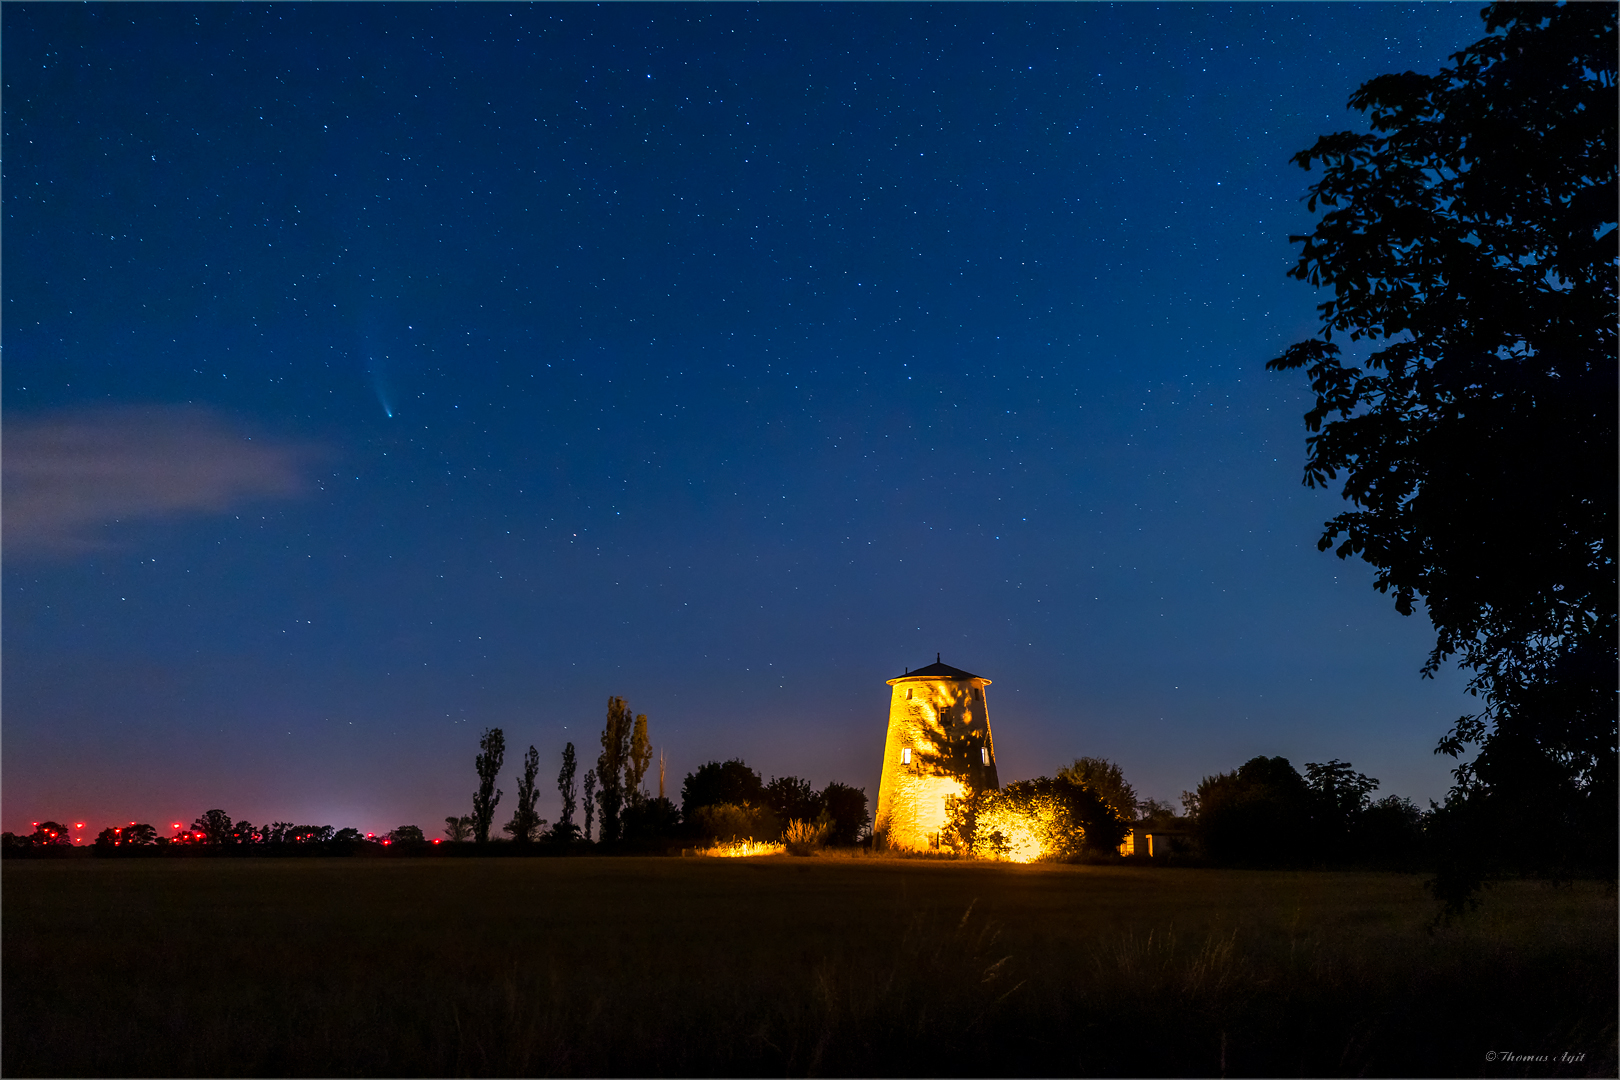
<point x="939" y="743"/>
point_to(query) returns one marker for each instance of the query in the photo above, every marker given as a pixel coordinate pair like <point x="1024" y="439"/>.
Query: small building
<point x="1162" y="843"/>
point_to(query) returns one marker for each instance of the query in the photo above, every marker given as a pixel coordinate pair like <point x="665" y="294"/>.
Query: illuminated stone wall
<point x="931" y="712"/>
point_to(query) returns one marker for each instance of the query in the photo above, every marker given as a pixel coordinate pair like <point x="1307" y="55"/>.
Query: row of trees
<point x="720" y="800"/>
<point x="214" y="827"/>
<point x="1266" y="813"/>
<point x="1262" y="813"/>
<point x="728" y="800"/>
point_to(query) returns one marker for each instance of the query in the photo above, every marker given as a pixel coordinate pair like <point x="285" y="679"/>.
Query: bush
<point x="1042" y="819"/>
<point x="733" y="821"/>
<point x="716" y="783"/>
<point x="804" y="837"/>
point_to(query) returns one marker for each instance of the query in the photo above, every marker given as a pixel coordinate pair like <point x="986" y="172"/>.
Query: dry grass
<point x="781" y="965"/>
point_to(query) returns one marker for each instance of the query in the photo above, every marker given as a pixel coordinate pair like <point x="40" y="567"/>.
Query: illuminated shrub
<point x="1040" y="819"/>
<point x="803" y="837"/>
<point x="740" y="849"/>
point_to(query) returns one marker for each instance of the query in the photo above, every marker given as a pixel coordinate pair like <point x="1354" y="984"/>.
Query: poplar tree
<point x="640" y="758"/>
<point x="493" y="754"/>
<point x="525" y="821"/>
<point x="612" y="766"/>
<point x="566" y="789"/>
<point x="590" y="800"/>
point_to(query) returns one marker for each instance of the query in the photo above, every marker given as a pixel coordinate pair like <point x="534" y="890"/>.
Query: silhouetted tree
<point x="1472" y="235"/>
<point x="1153" y="814"/>
<point x="215" y="826"/>
<point x="458" y="829"/>
<point x="1390" y="834"/>
<point x="565" y="829"/>
<point x="640" y="758"/>
<point x="492" y="754"/>
<point x="590" y="799"/>
<point x="717" y="782"/>
<point x="51" y="834"/>
<point x="648" y="821"/>
<point x="525" y="822"/>
<point x="352" y="836"/>
<point x="407" y="834"/>
<point x="1339" y="794"/>
<point x="135" y="835"/>
<point x="612" y="766"/>
<point x="1259" y="814"/>
<point x="845" y="808"/>
<point x="793" y="799"/>
<point x="1107" y="780"/>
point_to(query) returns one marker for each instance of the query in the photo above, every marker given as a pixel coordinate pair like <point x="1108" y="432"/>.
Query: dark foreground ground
<point x="825" y="966"/>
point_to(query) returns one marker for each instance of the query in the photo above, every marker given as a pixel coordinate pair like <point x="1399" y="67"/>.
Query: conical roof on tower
<point x="938" y="670"/>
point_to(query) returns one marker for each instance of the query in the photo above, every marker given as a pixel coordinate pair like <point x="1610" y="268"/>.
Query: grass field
<point x="602" y="966"/>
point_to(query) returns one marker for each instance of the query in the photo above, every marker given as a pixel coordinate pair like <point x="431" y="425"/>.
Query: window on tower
<point x="905" y="756"/>
<point x="984" y="752"/>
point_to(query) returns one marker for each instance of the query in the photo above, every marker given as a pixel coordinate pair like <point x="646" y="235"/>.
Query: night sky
<point x="377" y="374"/>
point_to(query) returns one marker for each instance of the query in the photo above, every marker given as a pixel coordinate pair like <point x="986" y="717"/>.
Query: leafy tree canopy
<point x="793" y="799"/>
<point x="721" y="782"/>
<point x="1045" y="818"/>
<point x="846" y="809"/>
<point x="491" y="755"/>
<point x="1107" y="780"/>
<point x="50" y="833"/>
<point x="1261" y="813"/>
<point x="1470" y="237"/>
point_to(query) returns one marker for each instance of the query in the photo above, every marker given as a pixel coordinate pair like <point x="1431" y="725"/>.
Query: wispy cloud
<point x="68" y="474"/>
